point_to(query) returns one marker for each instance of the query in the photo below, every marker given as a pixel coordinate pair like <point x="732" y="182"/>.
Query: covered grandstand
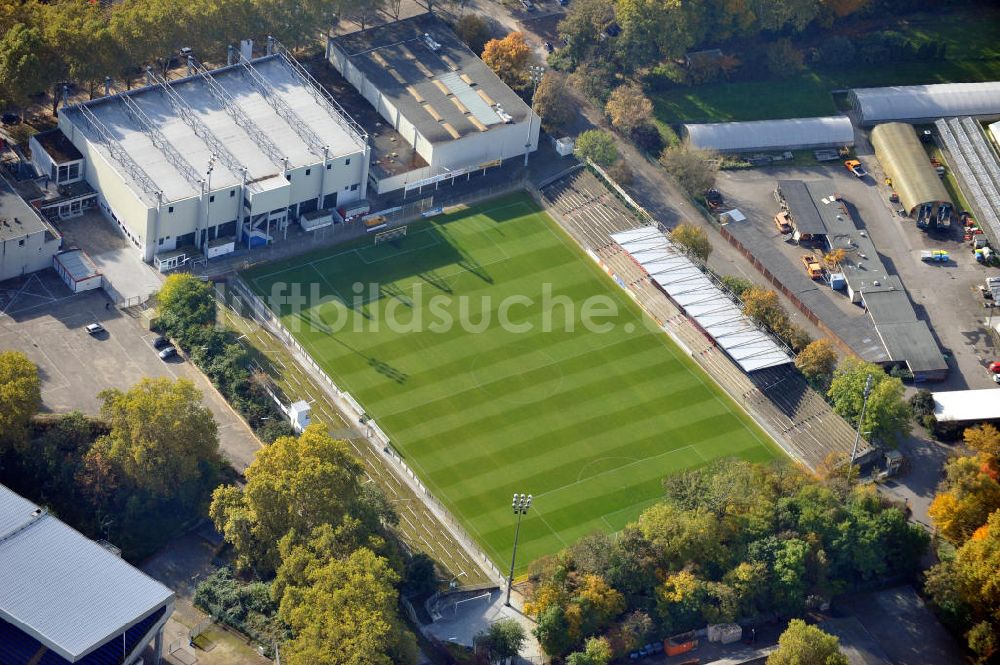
<point x="791" y="134"/>
<point x="702" y="300"/>
<point x="904" y="159"/>
<point x="66" y="599"/>
<point x="925" y="103"/>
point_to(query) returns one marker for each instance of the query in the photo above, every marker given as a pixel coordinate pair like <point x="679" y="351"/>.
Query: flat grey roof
<point x="912" y="343"/>
<point x="805" y="216"/>
<point x="308" y="105"/>
<point x="17" y="218"/>
<point x="63" y="589"/>
<point x="434" y="89"/>
<point x="77" y="264"/>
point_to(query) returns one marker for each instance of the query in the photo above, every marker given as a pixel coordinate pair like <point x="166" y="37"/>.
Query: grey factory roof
<point x="312" y="113"/>
<point x="792" y="133"/>
<point x="17" y="218"/>
<point x="446" y="92"/>
<point x="63" y="589"/>
<point x="926" y="102"/>
<point x="815" y="206"/>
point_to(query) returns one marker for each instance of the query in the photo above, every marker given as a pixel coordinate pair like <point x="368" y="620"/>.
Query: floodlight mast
<point x="520" y="505"/>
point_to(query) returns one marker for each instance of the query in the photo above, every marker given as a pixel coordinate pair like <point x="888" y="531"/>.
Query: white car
<point x="95" y="329"/>
<point x="168" y="352"/>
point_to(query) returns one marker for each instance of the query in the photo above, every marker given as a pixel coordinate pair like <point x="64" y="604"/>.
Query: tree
<point x="597" y="651"/>
<point x="553" y="631"/>
<point x="509" y="59"/>
<point x="420" y="578"/>
<point x="694" y="169"/>
<point x="20" y="396"/>
<point x="692" y="239"/>
<point x="341" y="607"/>
<point x="802" y="644"/>
<point x="583" y="25"/>
<point x="762" y="306"/>
<point x="474" y="31"/>
<point x="185" y="303"/>
<point x="967" y="588"/>
<point x="985" y="438"/>
<point x="651" y="31"/>
<point x="162" y="438"/>
<point x="887" y="416"/>
<point x="621" y="173"/>
<point x="834" y="258"/>
<point x="628" y="107"/>
<point x="817" y="361"/>
<point x="553" y="101"/>
<point x="597" y="146"/>
<point x="292" y="486"/>
<point x="502" y="640"/>
<point x="737" y="285"/>
<point x="783" y="59"/>
<point x="967" y="497"/>
<point x="25" y="65"/>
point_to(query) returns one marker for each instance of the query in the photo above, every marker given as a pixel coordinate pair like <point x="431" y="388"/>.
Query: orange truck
<point x="812" y="266"/>
<point x="855" y="167"/>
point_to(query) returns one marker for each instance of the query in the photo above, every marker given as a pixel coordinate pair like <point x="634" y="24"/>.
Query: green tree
<point x="78" y="33"/>
<point x="25" y="65"/>
<point x="583" y="25"/>
<point x="692" y="239"/>
<point x="341" y="607"/>
<point x="651" y="31"/>
<point x="802" y="644"/>
<point x="694" y="169"/>
<point x="887" y="416"/>
<point x="817" y="361"/>
<point x="597" y="651"/>
<point x="597" y="146"/>
<point x="162" y="439"/>
<point x="185" y="303"/>
<point x="553" y="101"/>
<point x="737" y="285"/>
<point x="20" y="396"/>
<point x="292" y="486"/>
<point x="553" y="631"/>
<point x="474" y="31"/>
<point x="783" y="59"/>
<point x="502" y="640"/>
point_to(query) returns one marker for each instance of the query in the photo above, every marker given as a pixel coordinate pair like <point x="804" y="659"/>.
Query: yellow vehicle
<point x="812" y="266"/>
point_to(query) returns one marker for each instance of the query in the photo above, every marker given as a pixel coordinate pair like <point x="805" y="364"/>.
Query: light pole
<point x="861" y="419"/>
<point x="535" y="73"/>
<point x="208" y="203"/>
<point x="520" y="505"/>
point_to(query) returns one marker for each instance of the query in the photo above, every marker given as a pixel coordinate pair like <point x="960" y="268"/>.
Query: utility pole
<point x="520" y="506"/>
<point x="861" y="419"/>
<point x="535" y="73"/>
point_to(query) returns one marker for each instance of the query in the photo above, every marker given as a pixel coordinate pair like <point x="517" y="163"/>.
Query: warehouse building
<point x="903" y="158"/>
<point x="441" y="98"/>
<point x="926" y="103"/>
<point x="192" y="167"/>
<point x="27" y="242"/>
<point x="66" y="599"/>
<point x="792" y="134"/>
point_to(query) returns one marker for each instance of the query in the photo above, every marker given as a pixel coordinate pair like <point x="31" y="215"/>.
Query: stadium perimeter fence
<point x="379" y="441"/>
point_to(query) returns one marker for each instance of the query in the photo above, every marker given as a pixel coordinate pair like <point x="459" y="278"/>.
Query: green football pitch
<point x="458" y="341"/>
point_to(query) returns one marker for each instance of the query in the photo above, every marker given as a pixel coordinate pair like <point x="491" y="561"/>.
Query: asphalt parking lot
<point x="943" y="295"/>
<point x="40" y="317"/>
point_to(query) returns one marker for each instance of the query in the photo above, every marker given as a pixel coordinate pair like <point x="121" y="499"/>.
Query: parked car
<point x="168" y="352"/>
<point x="994" y="367"/>
<point x="548" y="47"/>
<point x="160" y="342"/>
<point x="95" y="329"/>
<point x="855" y="167"/>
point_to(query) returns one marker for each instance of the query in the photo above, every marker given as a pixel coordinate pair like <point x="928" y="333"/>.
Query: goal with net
<point x="390" y="235"/>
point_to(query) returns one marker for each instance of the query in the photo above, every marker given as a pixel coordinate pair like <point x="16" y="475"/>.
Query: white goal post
<point x="390" y="234"/>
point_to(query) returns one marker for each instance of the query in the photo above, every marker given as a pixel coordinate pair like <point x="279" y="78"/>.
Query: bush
<point x="245" y="606"/>
<point x="648" y="138"/>
<point x="737" y="284"/>
<point x="838" y="51"/>
<point x="783" y="58"/>
<point x="621" y="173"/>
<point x="598" y="146"/>
<point x="922" y="404"/>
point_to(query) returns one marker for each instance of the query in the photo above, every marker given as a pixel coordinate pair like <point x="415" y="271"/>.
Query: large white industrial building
<point x="441" y="98"/>
<point x="922" y="103"/>
<point x="220" y="157"/>
<point x="790" y="134"/>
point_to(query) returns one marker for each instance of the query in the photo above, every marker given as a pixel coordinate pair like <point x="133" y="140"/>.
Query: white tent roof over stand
<point x="702" y="299"/>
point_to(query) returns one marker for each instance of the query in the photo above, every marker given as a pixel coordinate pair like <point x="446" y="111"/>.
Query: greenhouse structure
<point x="791" y="134"/>
<point x="923" y="103"/>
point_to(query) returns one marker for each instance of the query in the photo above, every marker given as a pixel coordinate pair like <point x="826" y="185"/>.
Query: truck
<point x="812" y="266"/>
<point x="855" y="167"/>
<point x="784" y="222"/>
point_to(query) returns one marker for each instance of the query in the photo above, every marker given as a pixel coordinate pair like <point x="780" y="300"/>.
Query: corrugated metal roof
<point x="919" y="102"/>
<point x="63" y="589"/>
<point x="826" y="131"/>
<point x="701" y="299"/>
<point x="470" y="99"/>
<point x="904" y="160"/>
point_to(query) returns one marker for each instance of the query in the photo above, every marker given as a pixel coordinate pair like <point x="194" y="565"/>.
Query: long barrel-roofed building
<point x="219" y="157"/>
